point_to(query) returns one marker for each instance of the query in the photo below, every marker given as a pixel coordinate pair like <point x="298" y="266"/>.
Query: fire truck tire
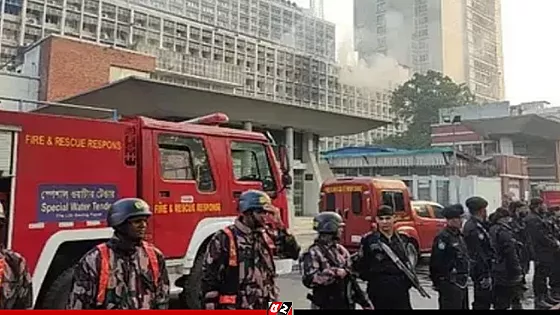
<point x="190" y="296"/>
<point x="413" y="252"/>
<point x="57" y="294"/>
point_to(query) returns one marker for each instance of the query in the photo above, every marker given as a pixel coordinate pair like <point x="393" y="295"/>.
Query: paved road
<point x="291" y="289"/>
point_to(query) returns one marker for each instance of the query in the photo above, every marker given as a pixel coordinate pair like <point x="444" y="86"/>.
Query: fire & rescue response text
<point x="71" y="142"/>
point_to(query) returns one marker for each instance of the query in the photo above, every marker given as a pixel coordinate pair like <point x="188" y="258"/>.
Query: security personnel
<point x="125" y="273"/>
<point x="545" y="248"/>
<point x="326" y="265"/>
<point x="481" y="252"/>
<point x="519" y="211"/>
<point x="387" y="286"/>
<point x="238" y="270"/>
<point x="449" y="262"/>
<point x="16" y="291"/>
<point x="555" y="278"/>
<point x="507" y="270"/>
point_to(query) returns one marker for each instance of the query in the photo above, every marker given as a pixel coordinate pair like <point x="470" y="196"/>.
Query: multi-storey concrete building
<point x="258" y="52"/>
<point x="461" y="38"/>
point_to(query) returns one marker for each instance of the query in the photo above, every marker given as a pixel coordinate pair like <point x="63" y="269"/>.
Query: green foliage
<point x="418" y="101"/>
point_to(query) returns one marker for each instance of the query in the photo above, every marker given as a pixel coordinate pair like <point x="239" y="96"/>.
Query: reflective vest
<point x="230" y="287"/>
<point x="105" y="272"/>
<point x="2" y="267"/>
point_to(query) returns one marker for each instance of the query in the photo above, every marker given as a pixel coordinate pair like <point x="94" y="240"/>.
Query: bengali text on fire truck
<point x="59" y="203"/>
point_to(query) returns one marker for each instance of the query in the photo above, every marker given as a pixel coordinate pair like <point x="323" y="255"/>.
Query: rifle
<point x="402" y="267"/>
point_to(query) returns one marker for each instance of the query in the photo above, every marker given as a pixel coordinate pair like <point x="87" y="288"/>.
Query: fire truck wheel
<point x="57" y="294"/>
<point x="190" y="296"/>
<point x="413" y="253"/>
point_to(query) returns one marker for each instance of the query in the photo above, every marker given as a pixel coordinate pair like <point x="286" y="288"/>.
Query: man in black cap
<point x="387" y="286"/>
<point x="507" y="271"/>
<point x="481" y="252"/>
<point x="545" y="247"/>
<point x="449" y="263"/>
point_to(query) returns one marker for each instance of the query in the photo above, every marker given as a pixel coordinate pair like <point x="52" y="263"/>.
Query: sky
<point x="531" y="45"/>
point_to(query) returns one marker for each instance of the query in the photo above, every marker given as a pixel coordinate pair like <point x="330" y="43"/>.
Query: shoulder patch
<point x="481" y="236"/>
<point x="441" y="245"/>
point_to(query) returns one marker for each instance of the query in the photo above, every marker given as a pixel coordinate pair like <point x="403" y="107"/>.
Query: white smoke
<point x="378" y="72"/>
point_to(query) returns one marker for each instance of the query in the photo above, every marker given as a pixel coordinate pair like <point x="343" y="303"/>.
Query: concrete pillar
<point x="311" y="186"/>
<point x="248" y="126"/>
<point x="414" y="187"/>
<point x="433" y="188"/>
<point x="290" y="155"/>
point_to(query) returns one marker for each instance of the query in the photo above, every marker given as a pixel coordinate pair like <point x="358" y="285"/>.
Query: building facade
<point x="259" y="52"/>
<point x="527" y="129"/>
<point x="268" y="49"/>
<point x="462" y="39"/>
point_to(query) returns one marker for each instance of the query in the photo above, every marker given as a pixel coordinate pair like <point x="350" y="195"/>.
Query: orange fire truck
<point x="59" y="175"/>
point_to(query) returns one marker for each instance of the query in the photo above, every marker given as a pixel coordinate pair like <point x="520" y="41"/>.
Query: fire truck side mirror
<point x="286" y="179"/>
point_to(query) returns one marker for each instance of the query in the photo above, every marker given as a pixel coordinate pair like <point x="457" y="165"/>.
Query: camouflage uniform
<point x="130" y="285"/>
<point x="257" y="272"/>
<point x="15" y="283"/>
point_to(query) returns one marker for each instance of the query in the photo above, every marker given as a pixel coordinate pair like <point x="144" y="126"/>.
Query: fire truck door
<point x="187" y="188"/>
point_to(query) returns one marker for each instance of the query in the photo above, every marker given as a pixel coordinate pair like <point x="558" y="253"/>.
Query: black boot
<point x="541" y="304"/>
<point x="550" y="299"/>
<point x="516" y="304"/>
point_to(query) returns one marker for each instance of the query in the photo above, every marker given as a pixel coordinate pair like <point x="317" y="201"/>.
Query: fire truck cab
<point x="59" y="175"/>
<point x="357" y="199"/>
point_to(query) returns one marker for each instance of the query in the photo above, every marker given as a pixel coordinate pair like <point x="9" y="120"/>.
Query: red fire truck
<point x="59" y="175"/>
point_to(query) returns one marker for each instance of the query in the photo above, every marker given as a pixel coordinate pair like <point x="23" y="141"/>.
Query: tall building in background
<point x="460" y="38"/>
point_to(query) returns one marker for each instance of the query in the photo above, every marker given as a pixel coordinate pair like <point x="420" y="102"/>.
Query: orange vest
<point x="229" y="293"/>
<point x="2" y="267"/>
<point x="105" y="272"/>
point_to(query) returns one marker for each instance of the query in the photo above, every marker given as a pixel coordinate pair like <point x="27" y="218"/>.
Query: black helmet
<point x="327" y="222"/>
<point x="125" y="209"/>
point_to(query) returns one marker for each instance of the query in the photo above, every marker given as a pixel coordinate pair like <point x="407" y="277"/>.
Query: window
<point x="394" y="199"/>
<point x="356" y="202"/>
<point x="331" y="202"/>
<point x="185" y="158"/>
<point x="438" y="212"/>
<point x="422" y="211"/>
<point x="251" y="163"/>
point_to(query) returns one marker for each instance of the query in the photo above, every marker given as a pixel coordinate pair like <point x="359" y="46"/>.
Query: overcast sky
<point x="531" y="45"/>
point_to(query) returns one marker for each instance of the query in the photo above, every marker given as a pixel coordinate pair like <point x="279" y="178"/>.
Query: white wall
<point x="18" y="86"/>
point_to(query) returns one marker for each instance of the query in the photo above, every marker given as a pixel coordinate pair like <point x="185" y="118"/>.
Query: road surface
<point x="292" y="290"/>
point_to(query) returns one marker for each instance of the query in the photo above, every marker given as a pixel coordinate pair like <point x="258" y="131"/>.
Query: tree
<point x="418" y="101"/>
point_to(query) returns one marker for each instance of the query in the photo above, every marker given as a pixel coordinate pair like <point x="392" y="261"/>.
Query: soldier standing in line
<point x="125" y="273"/>
<point x="519" y="211"/>
<point x="449" y="262"/>
<point x="387" y="286"/>
<point x="481" y="252"/>
<point x="507" y="270"/>
<point x="555" y="276"/>
<point x="326" y="268"/>
<point x="16" y="291"/>
<point x="239" y="270"/>
<point x="545" y="247"/>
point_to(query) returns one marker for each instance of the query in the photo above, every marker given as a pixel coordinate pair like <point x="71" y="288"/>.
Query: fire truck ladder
<point x="45" y="104"/>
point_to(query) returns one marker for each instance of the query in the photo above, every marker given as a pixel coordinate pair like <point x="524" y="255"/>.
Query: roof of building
<point x="531" y="125"/>
<point x="157" y="99"/>
<point x="385" y="151"/>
